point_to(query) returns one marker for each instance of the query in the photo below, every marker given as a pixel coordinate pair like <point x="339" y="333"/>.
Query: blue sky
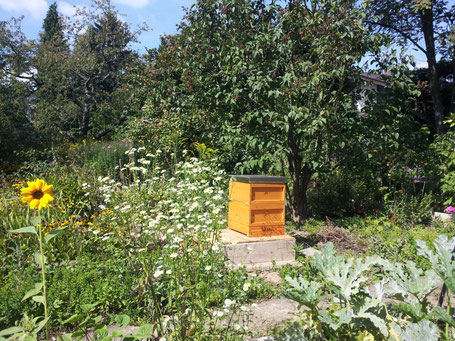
<point x="162" y="16"/>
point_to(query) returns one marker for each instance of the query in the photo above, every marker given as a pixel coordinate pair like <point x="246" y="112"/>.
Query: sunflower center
<point x="38" y="194"/>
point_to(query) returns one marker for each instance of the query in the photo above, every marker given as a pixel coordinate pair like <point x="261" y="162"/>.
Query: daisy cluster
<point x="172" y="218"/>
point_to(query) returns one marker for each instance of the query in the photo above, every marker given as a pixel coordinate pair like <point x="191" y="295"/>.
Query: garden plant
<point x="115" y="164"/>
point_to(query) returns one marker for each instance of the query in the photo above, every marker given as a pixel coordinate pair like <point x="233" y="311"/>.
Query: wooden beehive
<point x="257" y="205"/>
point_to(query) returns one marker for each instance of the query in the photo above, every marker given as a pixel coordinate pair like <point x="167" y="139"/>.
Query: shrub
<point x="357" y="308"/>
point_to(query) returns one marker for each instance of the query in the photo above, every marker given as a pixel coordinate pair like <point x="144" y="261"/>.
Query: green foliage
<point x="15" y="283"/>
<point x="357" y="311"/>
<point x="426" y="25"/>
<point x="101" y="55"/>
<point x="203" y="151"/>
<point x="110" y="283"/>
<point x="77" y="76"/>
<point x="151" y="250"/>
<point x="263" y="84"/>
<point x="52" y="26"/>
<point x="101" y="157"/>
<point x="16" y="130"/>
<point x="443" y="153"/>
<point x="410" y="210"/>
<point x="341" y="192"/>
<point x="386" y="238"/>
<point x="28" y="329"/>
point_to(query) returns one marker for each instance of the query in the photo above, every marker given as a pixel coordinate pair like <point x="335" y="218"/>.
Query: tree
<point x="53" y="28"/>
<point x="16" y="87"/>
<point x="76" y="82"/>
<point x="413" y="22"/>
<point x="101" y="58"/>
<point x="272" y="87"/>
<point x="53" y="109"/>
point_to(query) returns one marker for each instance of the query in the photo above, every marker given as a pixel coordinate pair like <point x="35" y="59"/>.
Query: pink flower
<point x="450" y="210"/>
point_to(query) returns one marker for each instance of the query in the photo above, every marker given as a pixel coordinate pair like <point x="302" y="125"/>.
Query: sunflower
<point x="38" y="194"/>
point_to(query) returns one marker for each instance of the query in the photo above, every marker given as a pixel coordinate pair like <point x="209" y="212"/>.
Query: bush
<point x="15" y="283"/>
<point x="110" y="283"/>
<point x="151" y="249"/>
<point x="410" y="210"/>
<point x="341" y="193"/>
<point x="342" y="306"/>
<point x="102" y="157"/>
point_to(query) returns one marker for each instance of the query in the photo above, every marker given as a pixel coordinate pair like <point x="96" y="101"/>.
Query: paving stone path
<point x="264" y="315"/>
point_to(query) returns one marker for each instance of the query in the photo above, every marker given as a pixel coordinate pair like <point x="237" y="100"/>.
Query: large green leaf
<point x="35" y="220"/>
<point x="423" y="330"/>
<point x="36" y="290"/>
<point x="338" y="318"/>
<point x="441" y="315"/>
<point x="410" y="283"/>
<point x="67" y="337"/>
<point x="40" y="325"/>
<point x="304" y="292"/>
<point x="10" y="331"/>
<point x="144" y="332"/>
<point x="39" y="299"/>
<point x="28" y="229"/>
<point x="52" y="234"/>
<point x="122" y="320"/>
<point x="74" y="318"/>
<point x="89" y="307"/>
<point x="39" y="258"/>
<point x="414" y="311"/>
<point x="325" y="260"/>
<point x="370" y="310"/>
<point x="348" y="274"/>
<point x="441" y="261"/>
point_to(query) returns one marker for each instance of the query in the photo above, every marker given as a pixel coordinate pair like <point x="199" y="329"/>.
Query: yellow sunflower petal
<point x="34" y="203"/>
<point x="47" y="189"/>
<point x="27" y="198"/>
<point x="42" y="204"/>
<point x="47" y="198"/>
<point x="31" y="185"/>
<point x="40" y="184"/>
<point x="26" y="191"/>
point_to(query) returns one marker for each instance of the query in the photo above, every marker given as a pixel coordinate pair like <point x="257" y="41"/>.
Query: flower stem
<point x="448" y="313"/>
<point x="43" y="274"/>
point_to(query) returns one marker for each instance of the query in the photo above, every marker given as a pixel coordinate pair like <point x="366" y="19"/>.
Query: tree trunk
<point x="435" y="87"/>
<point x="88" y="91"/>
<point x="85" y="120"/>
<point x="297" y="198"/>
<point x="300" y="178"/>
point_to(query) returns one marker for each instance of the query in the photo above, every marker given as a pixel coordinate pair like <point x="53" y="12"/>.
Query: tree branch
<point x="116" y="123"/>
<point x="403" y="34"/>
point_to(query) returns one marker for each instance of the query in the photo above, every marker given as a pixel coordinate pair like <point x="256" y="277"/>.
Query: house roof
<point x="374" y="78"/>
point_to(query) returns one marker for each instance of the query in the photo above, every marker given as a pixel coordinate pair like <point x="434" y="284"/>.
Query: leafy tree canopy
<point x="271" y="87"/>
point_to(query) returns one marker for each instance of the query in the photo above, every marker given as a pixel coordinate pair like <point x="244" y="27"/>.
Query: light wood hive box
<point x="256" y="206"/>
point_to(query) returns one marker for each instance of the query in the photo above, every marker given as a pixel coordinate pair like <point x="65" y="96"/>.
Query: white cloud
<point x="421" y="64"/>
<point x="133" y="3"/>
<point x="36" y="8"/>
<point x="66" y="8"/>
